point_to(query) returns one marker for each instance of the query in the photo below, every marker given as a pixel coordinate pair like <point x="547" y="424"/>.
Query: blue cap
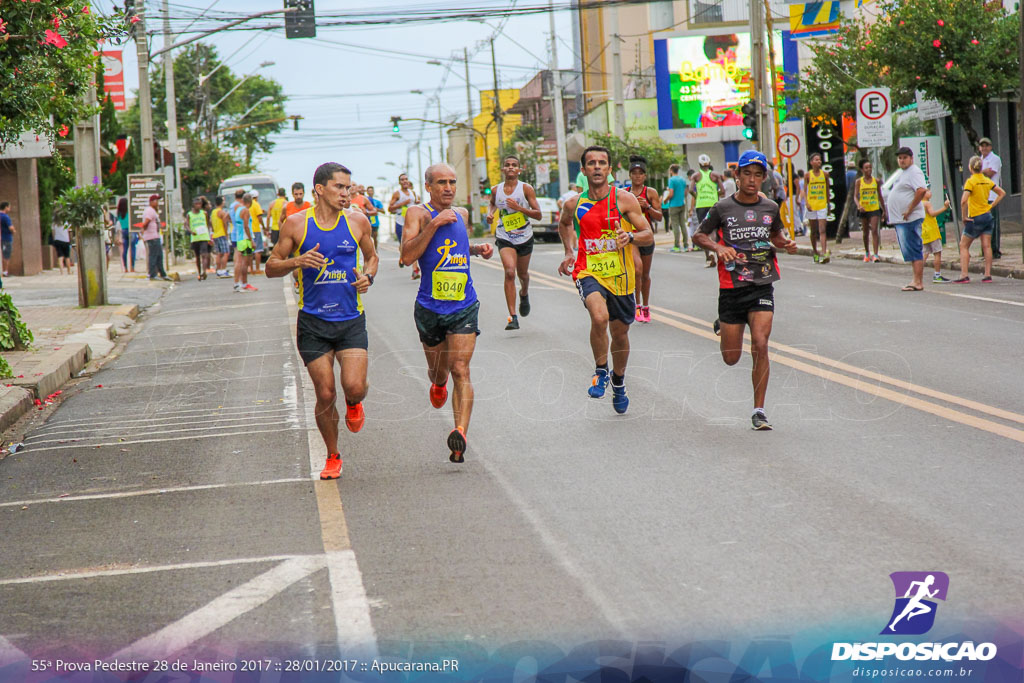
<point x="752" y="156"/>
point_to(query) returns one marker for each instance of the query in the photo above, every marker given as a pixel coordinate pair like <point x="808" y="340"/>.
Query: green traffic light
<point x="748" y="133"/>
<point x="394" y="128"/>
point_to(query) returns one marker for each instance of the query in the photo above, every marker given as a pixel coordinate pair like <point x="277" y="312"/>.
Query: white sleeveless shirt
<point x="402" y="196"/>
<point x="517" y="230"/>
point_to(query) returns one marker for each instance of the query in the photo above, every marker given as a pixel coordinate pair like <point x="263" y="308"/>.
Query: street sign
<point x="874" y="117"/>
<point x="543" y="173"/>
<point x="928" y="110"/>
<point x="184" y="160"/>
<point x="140" y="187"/>
<point x="788" y="145"/>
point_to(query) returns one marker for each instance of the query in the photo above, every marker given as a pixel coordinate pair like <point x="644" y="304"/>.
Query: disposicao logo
<point x="913" y="614"/>
<point x="916" y="592"/>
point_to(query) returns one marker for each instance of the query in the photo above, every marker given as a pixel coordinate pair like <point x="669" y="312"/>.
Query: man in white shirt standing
<point x="992" y="166"/>
<point x="906" y="214"/>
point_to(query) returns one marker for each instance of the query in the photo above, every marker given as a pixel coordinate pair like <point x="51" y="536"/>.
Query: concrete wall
<point x="19" y="186"/>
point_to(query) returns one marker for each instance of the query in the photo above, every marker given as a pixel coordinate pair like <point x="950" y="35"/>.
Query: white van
<point x="263" y="185"/>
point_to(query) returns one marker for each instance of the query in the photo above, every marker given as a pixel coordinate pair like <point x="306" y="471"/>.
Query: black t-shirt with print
<point x="747" y="228"/>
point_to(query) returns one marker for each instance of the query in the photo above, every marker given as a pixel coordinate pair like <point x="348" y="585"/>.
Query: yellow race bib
<point x="513" y="221"/>
<point x="448" y="286"/>
<point x="605" y="264"/>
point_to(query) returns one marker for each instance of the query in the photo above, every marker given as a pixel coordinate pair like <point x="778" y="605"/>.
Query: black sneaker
<point x="524" y="305"/>
<point x="717" y="327"/>
<point x="759" y="421"/>
<point x="513" y="323"/>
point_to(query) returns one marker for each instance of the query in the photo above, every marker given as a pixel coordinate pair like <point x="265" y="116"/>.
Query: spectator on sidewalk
<point x="974" y="203"/>
<point x="6" y="234"/>
<point x="61" y="238"/>
<point x="151" y="236"/>
<point x="129" y="237"/>
<point x="866" y="190"/>
<point x="992" y="167"/>
<point x="728" y="182"/>
<point x="675" y="203"/>
<point x="906" y="214"/>
<point x="931" y="236"/>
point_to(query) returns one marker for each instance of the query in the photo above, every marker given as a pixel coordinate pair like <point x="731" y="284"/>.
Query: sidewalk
<point x="67" y="338"/>
<point x="1010" y="265"/>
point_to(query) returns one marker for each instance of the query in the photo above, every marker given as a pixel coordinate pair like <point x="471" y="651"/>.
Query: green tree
<point x="959" y="52"/>
<point x="47" y="64"/>
<point x="659" y="154"/>
<point x="525" y="143"/>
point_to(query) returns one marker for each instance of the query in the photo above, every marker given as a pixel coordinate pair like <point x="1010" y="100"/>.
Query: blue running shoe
<point x="619" y="399"/>
<point x="599" y="383"/>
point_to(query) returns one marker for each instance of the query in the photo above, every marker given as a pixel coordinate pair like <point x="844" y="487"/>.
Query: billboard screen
<point x="703" y="80"/>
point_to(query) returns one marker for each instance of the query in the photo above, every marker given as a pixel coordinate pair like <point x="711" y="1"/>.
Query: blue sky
<point x="348" y="95"/>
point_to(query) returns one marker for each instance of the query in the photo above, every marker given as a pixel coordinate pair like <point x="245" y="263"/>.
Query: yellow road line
<point x="852" y="382"/>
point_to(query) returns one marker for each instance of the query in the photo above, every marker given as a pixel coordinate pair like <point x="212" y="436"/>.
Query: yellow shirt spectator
<point x="979" y="185"/>
<point x="255" y="211"/>
<point x="275" y="213"/>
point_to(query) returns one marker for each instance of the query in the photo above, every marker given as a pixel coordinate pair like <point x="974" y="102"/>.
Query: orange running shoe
<point x="457" y="444"/>
<point x="438" y="394"/>
<point x="354" y="417"/>
<point x="332" y="470"/>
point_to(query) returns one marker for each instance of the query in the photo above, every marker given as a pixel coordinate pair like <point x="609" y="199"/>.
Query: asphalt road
<point x="174" y="510"/>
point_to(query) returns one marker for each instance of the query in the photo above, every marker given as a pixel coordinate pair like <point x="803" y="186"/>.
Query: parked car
<point x="547" y="227"/>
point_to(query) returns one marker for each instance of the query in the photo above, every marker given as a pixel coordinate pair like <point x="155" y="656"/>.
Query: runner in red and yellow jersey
<point x="599" y="256"/>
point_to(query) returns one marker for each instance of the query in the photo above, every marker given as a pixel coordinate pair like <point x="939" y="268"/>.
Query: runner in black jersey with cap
<point x="744" y="230"/>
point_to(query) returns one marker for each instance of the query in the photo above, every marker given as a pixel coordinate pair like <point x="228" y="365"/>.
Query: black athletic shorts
<point x="201" y="247"/>
<point x="646" y="251"/>
<point x="315" y="336"/>
<point x="434" y="328"/>
<point x="869" y="214"/>
<point x="524" y="249"/>
<point x="274" y="236"/>
<point x="734" y="304"/>
<point x="63" y="248"/>
<point x="621" y="307"/>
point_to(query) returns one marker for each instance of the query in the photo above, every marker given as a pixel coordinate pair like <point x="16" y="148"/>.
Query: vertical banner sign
<point x="928" y="157"/>
<point x="140" y="187"/>
<point x="113" y="78"/>
<point x="874" y="117"/>
<point x="826" y="141"/>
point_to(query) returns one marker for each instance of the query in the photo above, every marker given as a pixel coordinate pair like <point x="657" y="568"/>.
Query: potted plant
<point x="82" y="207"/>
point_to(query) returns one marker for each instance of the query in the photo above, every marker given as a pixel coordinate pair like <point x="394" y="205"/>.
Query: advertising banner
<point x="113" y="77"/>
<point x="703" y="81"/>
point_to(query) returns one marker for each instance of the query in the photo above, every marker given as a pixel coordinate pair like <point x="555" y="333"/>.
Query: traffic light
<point x="485" y="187"/>
<point x="394" y="123"/>
<point x="301" y="23"/>
<point x="750" y="120"/>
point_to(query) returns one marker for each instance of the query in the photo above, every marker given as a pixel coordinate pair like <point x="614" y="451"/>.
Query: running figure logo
<point x="916" y="592"/>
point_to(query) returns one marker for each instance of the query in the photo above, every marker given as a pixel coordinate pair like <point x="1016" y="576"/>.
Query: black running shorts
<point x="646" y="251"/>
<point x="315" y="336"/>
<point x="524" y="249"/>
<point x="620" y="307"/>
<point x="735" y="304"/>
<point x="434" y="328"/>
<point x="201" y="247"/>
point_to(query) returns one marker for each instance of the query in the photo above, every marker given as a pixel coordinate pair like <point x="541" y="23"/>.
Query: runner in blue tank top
<point x="324" y="243"/>
<point x="447" y="310"/>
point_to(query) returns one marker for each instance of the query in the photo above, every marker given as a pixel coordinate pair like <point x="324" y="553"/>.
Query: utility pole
<point x="617" y="87"/>
<point x="172" y="131"/>
<point x="145" y="101"/>
<point x="92" y="260"/>
<point x="556" y="85"/>
<point x="1020" y="122"/>
<point x="474" y="188"/>
<point x="770" y="92"/>
<point x="757" y="72"/>
<point x="440" y="132"/>
<point x="498" y="116"/>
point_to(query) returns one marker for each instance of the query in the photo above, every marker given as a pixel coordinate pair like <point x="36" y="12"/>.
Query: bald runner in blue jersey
<point x="333" y="251"/>
<point x="436" y="237"/>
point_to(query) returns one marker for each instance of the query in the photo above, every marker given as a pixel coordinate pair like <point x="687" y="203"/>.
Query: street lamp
<point x="262" y="65"/>
<point x="265" y="98"/>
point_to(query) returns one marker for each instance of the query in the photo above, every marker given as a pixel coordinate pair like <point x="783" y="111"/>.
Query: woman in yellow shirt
<point x="978" y="220"/>
<point x="870" y="206"/>
<point x="817" y="189"/>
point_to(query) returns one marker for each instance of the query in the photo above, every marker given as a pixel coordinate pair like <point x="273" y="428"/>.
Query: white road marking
<point x="73" y="575"/>
<point x="115" y="385"/>
<point x="113" y="430"/>
<point x="217" y="359"/>
<point x="224" y="609"/>
<point x="932" y="290"/>
<point x="190" y="311"/>
<point x="10" y="654"/>
<point x="211" y="410"/>
<point x="351" y="608"/>
<point x="198" y="346"/>
<point x="218" y="435"/>
<point x="147" y="492"/>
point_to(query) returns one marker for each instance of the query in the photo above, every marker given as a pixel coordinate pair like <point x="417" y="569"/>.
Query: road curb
<point x="55" y="369"/>
<point x="14" y="402"/>
<point x="973" y="267"/>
